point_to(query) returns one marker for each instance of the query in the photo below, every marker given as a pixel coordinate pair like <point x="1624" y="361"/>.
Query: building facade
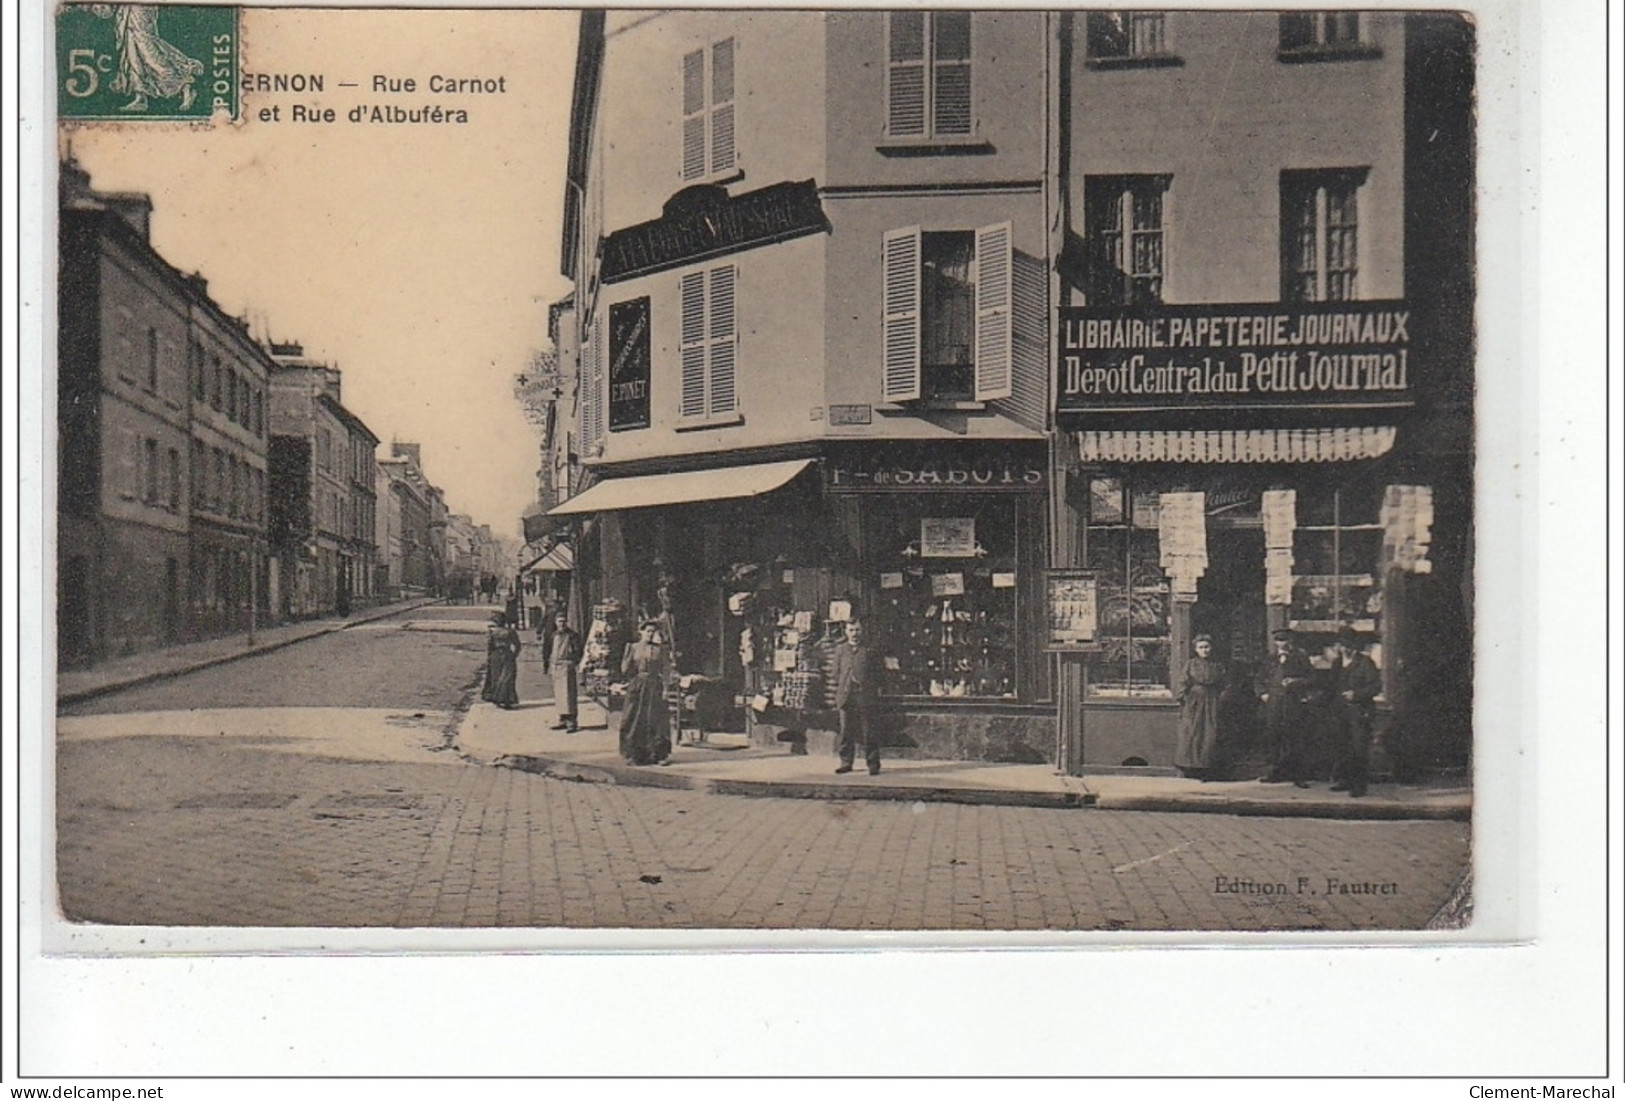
<point x="1252" y="367"/>
<point x="323" y="502"/>
<point x="1004" y="332"/>
<point x="813" y="360"/>
<point x="161" y="462"/>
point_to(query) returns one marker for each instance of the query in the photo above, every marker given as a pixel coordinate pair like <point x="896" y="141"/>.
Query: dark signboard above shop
<point x="629" y="364"/>
<point x="1234" y="357"/>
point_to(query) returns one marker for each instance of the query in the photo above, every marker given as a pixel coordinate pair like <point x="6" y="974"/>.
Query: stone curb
<point x="66" y="699"/>
<point x="632" y="776"/>
<point x="1352" y="809"/>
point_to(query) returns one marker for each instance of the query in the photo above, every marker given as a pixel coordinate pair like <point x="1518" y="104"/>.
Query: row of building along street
<point x="211" y="480"/>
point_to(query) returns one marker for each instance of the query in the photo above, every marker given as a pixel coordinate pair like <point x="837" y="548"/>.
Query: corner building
<point x="809" y="253"/>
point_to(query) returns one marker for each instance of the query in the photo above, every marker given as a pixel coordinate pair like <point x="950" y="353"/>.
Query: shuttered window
<point x="709" y="347"/>
<point x="708" y="112"/>
<point x="928" y="75"/>
<point x="591" y="399"/>
<point x="947" y="314"/>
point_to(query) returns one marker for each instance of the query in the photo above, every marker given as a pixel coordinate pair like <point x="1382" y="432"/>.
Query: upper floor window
<point x="217" y="390"/>
<point x="1320" y="235"/>
<point x="149" y="488"/>
<point x="152" y="360"/>
<point x="710" y="344"/>
<point x="928" y="74"/>
<point x="1121" y="38"/>
<point x="194" y="361"/>
<point x="708" y="111"/>
<point x="946" y="299"/>
<point x="1323" y="35"/>
<point x="174" y="480"/>
<point x="1123" y="217"/>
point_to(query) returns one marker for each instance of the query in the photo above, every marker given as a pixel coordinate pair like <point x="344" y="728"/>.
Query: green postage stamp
<point x="146" y="61"/>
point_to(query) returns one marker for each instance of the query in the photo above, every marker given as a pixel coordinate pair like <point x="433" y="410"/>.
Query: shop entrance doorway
<point x="1230" y="596"/>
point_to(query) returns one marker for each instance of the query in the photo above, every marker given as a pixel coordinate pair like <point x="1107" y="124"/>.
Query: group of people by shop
<point x="645" y="727"/>
<point x="1316" y="721"/>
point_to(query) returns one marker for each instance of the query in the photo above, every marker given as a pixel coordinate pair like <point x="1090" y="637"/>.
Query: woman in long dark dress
<point x="1197" y="752"/>
<point x="645" y="720"/>
<point x="501" y="664"/>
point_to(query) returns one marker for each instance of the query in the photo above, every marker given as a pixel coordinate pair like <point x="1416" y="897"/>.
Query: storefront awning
<point x="1255" y="445"/>
<point x="684" y="487"/>
<point x="558" y="560"/>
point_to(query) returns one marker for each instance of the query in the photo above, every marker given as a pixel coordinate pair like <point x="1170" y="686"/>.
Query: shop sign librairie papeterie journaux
<point x="1230" y="356"/>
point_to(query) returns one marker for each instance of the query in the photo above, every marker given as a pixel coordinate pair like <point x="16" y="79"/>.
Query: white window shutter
<point x="691" y="392"/>
<point x="694" y="115"/>
<point x="993" y="328"/>
<point x="724" y="342"/>
<point x="722" y="106"/>
<point x="900" y="297"/>
<point x="905" y="74"/>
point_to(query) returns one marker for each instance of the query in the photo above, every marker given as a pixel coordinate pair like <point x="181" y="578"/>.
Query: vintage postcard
<point x="933" y="471"/>
<point x="537" y="481"/>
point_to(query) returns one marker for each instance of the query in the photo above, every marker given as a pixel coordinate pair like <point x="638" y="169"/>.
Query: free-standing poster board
<point x="1071" y="610"/>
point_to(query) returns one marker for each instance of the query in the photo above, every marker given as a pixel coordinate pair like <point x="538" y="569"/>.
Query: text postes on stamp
<point x="146" y="62"/>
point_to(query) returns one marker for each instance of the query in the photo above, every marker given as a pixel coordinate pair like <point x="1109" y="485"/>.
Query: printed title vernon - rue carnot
<point x="431" y="111"/>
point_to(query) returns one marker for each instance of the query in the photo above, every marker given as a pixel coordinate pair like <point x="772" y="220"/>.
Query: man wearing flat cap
<point x="1285" y="684"/>
<point x="1357" y="684"/>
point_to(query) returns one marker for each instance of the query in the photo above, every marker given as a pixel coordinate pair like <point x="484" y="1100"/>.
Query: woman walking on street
<point x="501" y="664"/>
<point x="645" y="721"/>
<point x="1197" y="751"/>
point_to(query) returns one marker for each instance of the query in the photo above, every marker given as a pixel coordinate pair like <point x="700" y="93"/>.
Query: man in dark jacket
<point x="1357" y="684"/>
<point x="564" y="651"/>
<point x="1285" y="683"/>
<point x="857" y="683"/>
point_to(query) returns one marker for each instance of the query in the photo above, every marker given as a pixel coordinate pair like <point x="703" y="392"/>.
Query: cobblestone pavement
<point x="284" y="791"/>
<point x="185" y="831"/>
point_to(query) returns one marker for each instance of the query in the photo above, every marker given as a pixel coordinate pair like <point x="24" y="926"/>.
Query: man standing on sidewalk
<point x="857" y="676"/>
<point x="1285" y="684"/>
<point x="1357" y="685"/>
<point x="563" y="655"/>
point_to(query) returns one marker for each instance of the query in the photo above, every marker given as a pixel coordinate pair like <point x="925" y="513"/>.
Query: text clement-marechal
<point x="389" y="113"/>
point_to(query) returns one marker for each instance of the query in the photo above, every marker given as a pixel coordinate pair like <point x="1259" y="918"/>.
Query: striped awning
<point x="1253" y="445"/>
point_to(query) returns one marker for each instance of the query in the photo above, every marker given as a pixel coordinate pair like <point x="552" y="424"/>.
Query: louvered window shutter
<point x="993" y="330"/>
<point x="905" y="74"/>
<point x="584" y="391"/>
<point x="691" y="395"/>
<point x="951" y="74"/>
<point x="724" y="342"/>
<point x="599" y="388"/>
<point x="722" y="106"/>
<point x="900" y="296"/>
<point x="694" y="115"/>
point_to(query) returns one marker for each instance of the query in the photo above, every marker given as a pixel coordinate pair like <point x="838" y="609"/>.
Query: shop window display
<point x="1134" y="598"/>
<point x="1336" y="550"/>
<point x="945" y="598"/>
